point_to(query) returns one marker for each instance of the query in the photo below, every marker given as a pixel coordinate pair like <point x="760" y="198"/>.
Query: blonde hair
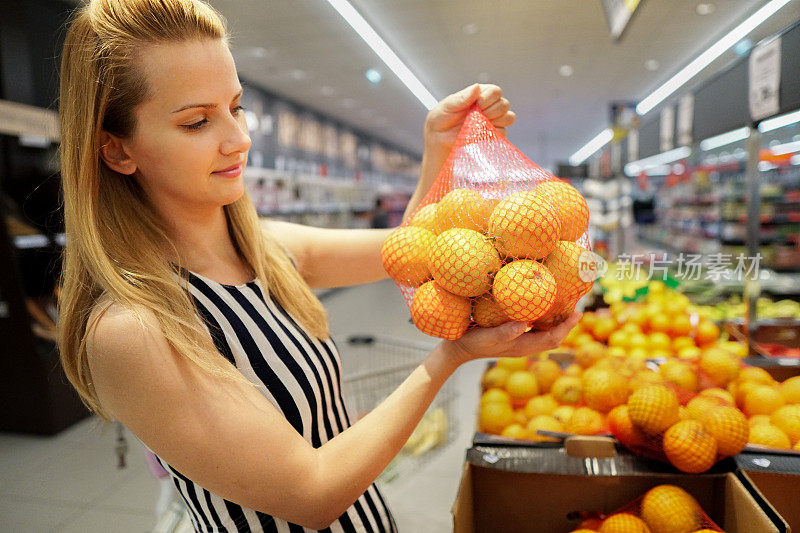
<point x="116" y="240"/>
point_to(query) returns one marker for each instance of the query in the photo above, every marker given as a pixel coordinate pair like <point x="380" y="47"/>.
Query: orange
<point x="522" y="385"/>
<point x="790" y="390"/>
<point x="736" y="348"/>
<point x="653" y="408"/>
<point x="680" y="373"/>
<point x="689" y="447"/>
<point x="557" y="314"/>
<point x="623" y="428"/>
<point x="660" y="354"/>
<point x="681" y="326"/>
<point x="495" y="416"/>
<point x="720" y="366"/>
<point x="570" y="206"/>
<point x="638" y="340"/>
<point x="583" y="338"/>
<point x="540" y="405"/>
<point x="630" y="328"/>
<point x="659" y="323"/>
<point x="758" y="419"/>
<point x="513" y="363"/>
<point x="707" y="332"/>
<point x="769" y="436"/>
<point x="440" y="313"/>
<point x="562" y="413"/>
<point x="585" y="421"/>
<point x="670" y="509"/>
<point x="574" y="369"/>
<point x="604" y="389"/>
<point x="616" y="351"/>
<point x="729" y="427"/>
<point x="624" y="523"/>
<point x="697" y="406"/>
<point x="514" y="431"/>
<point x="762" y="400"/>
<point x="520" y="417"/>
<point x="525" y="225"/>
<point x="759" y="375"/>
<point x="546" y="372"/>
<point x="589" y="354"/>
<point x="689" y="352"/>
<point x="645" y="377"/>
<point x="494" y="377"/>
<point x="739" y="389"/>
<point x="425" y="218"/>
<point x="583" y="530"/>
<point x="567" y="390"/>
<point x="659" y="341"/>
<point x="639" y="353"/>
<point x="487" y="313"/>
<point x="546" y="423"/>
<point x="723" y="395"/>
<point x="588" y="320"/>
<point x="526" y="290"/>
<point x="462" y="261"/>
<point x="787" y="419"/>
<point x="565" y="262"/>
<point x="495" y="395"/>
<point x="463" y="208"/>
<point x="619" y="338"/>
<point x="405" y="255"/>
<point x="678" y="343"/>
<point x="603" y="328"/>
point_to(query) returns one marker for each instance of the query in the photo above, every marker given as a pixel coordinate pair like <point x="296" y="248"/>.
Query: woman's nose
<point x="237" y="139"/>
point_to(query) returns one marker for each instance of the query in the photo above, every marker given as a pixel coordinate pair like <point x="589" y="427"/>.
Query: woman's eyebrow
<point x="205" y="106"/>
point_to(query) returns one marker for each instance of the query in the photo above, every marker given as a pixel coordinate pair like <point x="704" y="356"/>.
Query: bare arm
<point x="230" y="439"/>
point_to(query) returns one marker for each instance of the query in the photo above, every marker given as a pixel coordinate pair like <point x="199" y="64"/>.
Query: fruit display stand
<point x="513" y="489"/>
<point x="773" y="479"/>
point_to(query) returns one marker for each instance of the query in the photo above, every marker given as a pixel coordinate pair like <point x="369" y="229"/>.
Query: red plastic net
<point x="496" y="239"/>
<point x="664" y="508"/>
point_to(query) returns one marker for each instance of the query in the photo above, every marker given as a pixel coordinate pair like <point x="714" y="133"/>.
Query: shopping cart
<point x="372" y="368"/>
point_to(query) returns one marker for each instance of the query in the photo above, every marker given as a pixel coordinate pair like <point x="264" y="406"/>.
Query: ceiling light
<point x="636" y="167"/>
<point x="326" y="90"/>
<point x="742" y="47"/>
<point x="779" y="121"/>
<point x="387" y="55"/>
<point x="373" y="75"/>
<point x="471" y="28"/>
<point x="726" y="138"/>
<point x="704" y="59"/>
<point x="704" y="8"/>
<point x="566" y="70"/>
<point x="786" y="148"/>
<point x="651" y="64"/>
<point x="591" y="147"/>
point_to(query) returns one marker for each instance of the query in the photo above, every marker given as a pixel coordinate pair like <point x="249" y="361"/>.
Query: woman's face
<point x="190" y="142"/>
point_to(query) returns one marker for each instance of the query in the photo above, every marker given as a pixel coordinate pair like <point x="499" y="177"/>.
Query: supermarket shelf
<point x="322" y="209"/>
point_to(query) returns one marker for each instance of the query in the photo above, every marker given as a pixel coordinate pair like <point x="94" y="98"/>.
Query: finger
<point x="489" y="95"/>
<point x="502" y="131"/>
<point x="461" y="100"/>
<point x="497" y="109"/>
<point x="505" y="121"/>
<point x="538" y="341"/>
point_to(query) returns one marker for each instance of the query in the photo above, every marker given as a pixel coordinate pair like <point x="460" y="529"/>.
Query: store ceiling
<point x="303" y="50"/>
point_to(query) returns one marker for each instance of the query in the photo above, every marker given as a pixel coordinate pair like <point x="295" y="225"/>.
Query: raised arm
<point x="330" y="258"/>
<point x="230" y="439"/>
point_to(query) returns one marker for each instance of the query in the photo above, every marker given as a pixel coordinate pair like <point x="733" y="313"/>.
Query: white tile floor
<point x="70" y="482"/>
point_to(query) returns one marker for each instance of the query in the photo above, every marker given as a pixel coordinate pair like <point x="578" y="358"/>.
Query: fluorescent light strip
<point x="779" y="122"/>
<point x="636" y="167"/>
<point x="591" y="147"/>
<point x="386" y="54"/>
<point x="786" y="148"/>
<point x="723" y="139"/>
<point x="704" y="59"/>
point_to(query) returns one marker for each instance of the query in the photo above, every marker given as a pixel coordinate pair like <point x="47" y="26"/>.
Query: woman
<point x="198" y="330"/>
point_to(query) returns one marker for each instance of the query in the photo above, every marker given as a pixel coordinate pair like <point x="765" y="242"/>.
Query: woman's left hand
<point x="444" y="121"/>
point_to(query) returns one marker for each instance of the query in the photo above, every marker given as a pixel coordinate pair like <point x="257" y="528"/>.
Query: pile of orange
<point x="480" y="261"/>
<point x="662" y="509"/>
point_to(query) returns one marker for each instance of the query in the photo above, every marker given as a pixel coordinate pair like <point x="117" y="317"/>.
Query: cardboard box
<point x="498" y="497"/>
<point x="774" y="478"/>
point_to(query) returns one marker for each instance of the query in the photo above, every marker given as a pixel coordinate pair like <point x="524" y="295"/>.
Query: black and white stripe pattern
<point x="296" y="372"/>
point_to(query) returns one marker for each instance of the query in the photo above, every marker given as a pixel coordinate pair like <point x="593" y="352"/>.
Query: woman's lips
<point x="231" y="172"/>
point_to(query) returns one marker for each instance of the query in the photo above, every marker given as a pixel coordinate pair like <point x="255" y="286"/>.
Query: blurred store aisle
<point x="70" y="482"/>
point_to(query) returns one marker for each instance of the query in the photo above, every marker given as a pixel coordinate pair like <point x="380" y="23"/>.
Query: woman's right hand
<point x="510" y="340"/>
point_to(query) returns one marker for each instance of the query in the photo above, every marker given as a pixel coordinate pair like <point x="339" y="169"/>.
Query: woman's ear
<point x="113" y="152"/>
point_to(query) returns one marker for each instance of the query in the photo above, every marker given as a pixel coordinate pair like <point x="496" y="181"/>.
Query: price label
<point x="765" y="79"/>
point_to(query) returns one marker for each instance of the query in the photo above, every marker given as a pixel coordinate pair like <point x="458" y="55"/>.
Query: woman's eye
<point x="196" y="126"/>
<point x="238" y="109"/>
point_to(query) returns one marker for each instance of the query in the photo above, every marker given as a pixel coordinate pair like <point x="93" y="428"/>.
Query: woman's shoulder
<point x="112" y="324"/>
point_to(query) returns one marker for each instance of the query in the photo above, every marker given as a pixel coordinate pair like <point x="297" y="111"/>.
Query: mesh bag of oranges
<point x="662" y="509"/>
<point x="692" y="437"/>
<point x="496" y="239"/>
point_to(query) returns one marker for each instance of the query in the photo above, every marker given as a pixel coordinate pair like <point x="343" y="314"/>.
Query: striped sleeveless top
<point x="299" y="374"/>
